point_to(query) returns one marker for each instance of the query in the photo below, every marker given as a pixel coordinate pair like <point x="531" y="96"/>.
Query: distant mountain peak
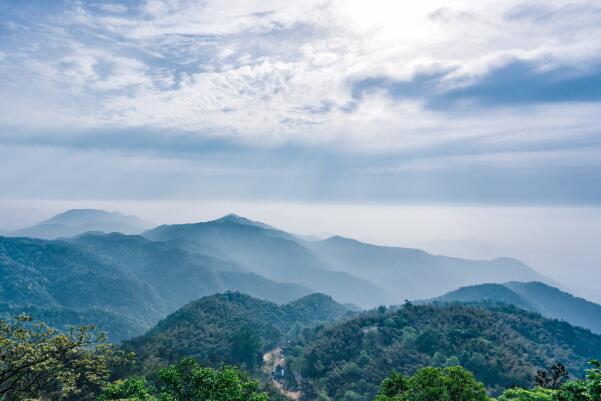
<point x="237" y="219"/>
<point x="77" y="221"/>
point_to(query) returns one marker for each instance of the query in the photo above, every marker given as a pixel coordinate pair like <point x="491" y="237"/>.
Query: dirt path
<point x="271" y="360"/>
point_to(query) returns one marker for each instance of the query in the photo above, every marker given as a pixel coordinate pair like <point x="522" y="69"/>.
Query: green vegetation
<point x="458" y="384"/>
<point x="586" y="389"/>
<point x="233" y="328"/>
<point x="502" y="345"/>
<point x="37" y="361"/>
<point x="187" y="381"/>
<point x="123" y="284"/>
<point x="65" y="285"/>
<point x="433" y="384"/>
<point x="533" y="296"/>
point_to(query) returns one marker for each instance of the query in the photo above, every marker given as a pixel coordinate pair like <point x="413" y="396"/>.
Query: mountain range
<point x="124" y="284"/>
<point x="146" y="276"/>
<point x="331" y="351"/>
<point x="77" y="221"/>
<point x="549" y="301"/>
<point x="502" y="345"/>
<point x="349" y="270"/>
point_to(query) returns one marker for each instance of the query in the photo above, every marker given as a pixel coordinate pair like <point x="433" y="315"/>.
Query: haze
<point x="465" y="128"/>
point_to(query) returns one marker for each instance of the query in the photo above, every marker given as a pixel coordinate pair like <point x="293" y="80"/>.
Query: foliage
<point x="130" y="389"/>
<point x="229" y="328"/>
<point x="501" y="344"/>
<point x="521" y="394"/>
<point x="246" y="349"/>
<point x="36" y="360"/>
<point x="63" y="285"/>
<point x="188" y="381"/>
<point x="553" y="377"/>
<point x="587" y="389"/>
<point x="433" y="384"/>
<point x="534" y="296"/>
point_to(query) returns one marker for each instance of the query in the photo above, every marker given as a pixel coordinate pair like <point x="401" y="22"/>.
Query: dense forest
<point x="37" y="362"/>
<point x="501" y="344"/>
<point x="549" y="301"/>
<point x="232" y="327"/>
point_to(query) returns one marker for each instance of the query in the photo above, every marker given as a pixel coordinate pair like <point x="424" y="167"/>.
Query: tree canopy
<point x="36" y="360"/>
<point x="188" y="381"/>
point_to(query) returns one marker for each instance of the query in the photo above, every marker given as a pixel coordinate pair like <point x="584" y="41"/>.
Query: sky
<point x="461" y="106"/>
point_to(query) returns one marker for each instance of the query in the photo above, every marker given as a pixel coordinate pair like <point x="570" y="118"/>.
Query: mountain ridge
<point x="542" y="298"/>
<point x="77" y="221"/>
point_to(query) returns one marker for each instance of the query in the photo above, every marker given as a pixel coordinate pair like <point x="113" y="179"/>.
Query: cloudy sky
<point x="485" y="103"/>
<point x="440" y="101"/>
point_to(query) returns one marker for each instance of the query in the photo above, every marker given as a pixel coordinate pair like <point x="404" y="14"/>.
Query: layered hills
<point x="502" y="345"/>
<point x="349" y="270"/>
<point x="123" y="283"/>
<point x="549" y="301"/>
<point x="77" y="221"/>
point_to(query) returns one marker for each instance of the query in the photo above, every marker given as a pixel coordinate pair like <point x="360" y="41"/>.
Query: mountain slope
<point x="209" y="328"/>
<point x="502" y="345"/>
<point x="56" y="275"/>
<point x="180" y="276"/>
<point x="412" y="273"/>
<point x="554" y="303"/>
<point x="77" y="221"/>
<point x="549" y="301"/>
<point x="124" y="283"/>
<point x="271" y="253"/>
<point x="486" y="293"/>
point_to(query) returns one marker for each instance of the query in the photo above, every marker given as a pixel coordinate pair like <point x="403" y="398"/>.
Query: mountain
<point x="124" y="283"/>
<point x="77" y="221"/>
<point x="212" y="328"/>
<point x="485" y="293"/>
<point x="502" y="345"/>
<point x="412" y="273"/>
<point x="271" y="253"/>
<point x="180" y="276"/>
<point x="549" y="301"/>
<point x="55" y="277"/>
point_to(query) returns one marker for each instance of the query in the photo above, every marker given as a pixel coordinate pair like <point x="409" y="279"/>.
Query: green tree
<point x="462" y="386"/>
<point x="36" y="360"/>
<point x="433" y="384"/>
<point x="246" y="348"/>
<point x="427" y="384"/>
<point x="392" y="388"/>
<point x="588" y="389"/>
<point x="188" y="381"/>
<point x="130" y="389"/>
<point x="522" y="394"/>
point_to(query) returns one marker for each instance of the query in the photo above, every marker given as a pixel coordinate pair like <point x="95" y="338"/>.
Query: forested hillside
<point x="232" y="327"/>
<point x="180" y="276"/>
<point x="502" y="345"/>
<point x="124" y="284"/>
<point x="63" y="284"/>
<point x="534" y="296"/>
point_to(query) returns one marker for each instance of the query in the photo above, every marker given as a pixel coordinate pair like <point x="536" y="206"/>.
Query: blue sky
<point x="494" y="102"/>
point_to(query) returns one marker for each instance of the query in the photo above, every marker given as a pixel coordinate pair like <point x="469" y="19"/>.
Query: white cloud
<point x="272" y="70"/>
